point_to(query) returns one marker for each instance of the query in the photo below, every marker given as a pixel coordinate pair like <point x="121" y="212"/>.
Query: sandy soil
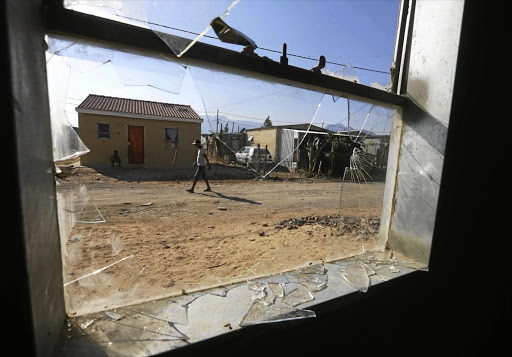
<point x="159" y="240"/>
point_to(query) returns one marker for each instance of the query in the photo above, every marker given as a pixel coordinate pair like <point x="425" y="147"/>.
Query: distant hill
<point x="206" y="126"/>
<point x="341" y="127"/>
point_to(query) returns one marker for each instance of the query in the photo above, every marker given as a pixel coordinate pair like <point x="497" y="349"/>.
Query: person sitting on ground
<point x="201" y="162"/>
<point x="115" y="159"/>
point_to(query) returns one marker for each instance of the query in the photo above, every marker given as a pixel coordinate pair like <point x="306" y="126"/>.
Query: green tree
<point x="267" y="122"/>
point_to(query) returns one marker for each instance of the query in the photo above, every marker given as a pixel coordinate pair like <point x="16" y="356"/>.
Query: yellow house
<point x="146" y="133"/>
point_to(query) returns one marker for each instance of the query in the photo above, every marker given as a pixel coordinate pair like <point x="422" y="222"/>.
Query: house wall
<point x="265" y="137"/>
<point x="157" y="152"/>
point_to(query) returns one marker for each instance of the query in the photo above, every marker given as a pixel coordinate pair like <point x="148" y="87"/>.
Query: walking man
<point x="201" y="162"/>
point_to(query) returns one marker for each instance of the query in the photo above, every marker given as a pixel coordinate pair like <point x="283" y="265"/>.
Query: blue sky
<point x="360" y="33"/>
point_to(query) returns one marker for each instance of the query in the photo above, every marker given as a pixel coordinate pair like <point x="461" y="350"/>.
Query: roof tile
<point x="138" y="107"/>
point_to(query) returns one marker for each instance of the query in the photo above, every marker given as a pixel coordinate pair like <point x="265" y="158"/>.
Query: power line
<point x="248" y="100"/>
<point x="274" y="121"/>
<point x="261" y="48"/>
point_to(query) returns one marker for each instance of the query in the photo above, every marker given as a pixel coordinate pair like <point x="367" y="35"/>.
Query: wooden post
<point x="258" y="157"/>
<point x="265" y="160"/>
<point x="332" y="156"/>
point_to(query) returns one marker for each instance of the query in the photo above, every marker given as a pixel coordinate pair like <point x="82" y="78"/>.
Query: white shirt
<point x="201" y="161"/>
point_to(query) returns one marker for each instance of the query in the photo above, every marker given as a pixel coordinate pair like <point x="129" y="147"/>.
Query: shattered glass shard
<point x="260" y="295"/>
<point x="255" y="285"/>
<point x="86" y="324"/>
<point x="313" y="269"/>
<point x="356" y="276"/>
<point x="144" y="325"/>
<point x="314" y="286"/>
<point x="260" y="313"/>
<point x="269" y="299"/>
<point x="384" y="256"/>
<point x="312" y="282"/>
<point x="394" y="269"/>
<point x="114" y="315"/>
<point x="369" y="270"/>
<point x="166" y="310"/>
<point x="276" y="289"/>
<point x="297" y="297"/>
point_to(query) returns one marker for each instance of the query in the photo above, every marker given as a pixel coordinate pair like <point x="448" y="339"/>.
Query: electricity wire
<point x="261" y="48"/>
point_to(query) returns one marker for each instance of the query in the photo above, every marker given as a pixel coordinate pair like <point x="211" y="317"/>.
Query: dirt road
<point x="159" y="240"/>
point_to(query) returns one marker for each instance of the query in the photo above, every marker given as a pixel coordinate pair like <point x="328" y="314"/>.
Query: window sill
<point x="166" y="325"/>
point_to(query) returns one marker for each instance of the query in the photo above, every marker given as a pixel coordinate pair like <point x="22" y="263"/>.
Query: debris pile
<point x="351" y="225"/>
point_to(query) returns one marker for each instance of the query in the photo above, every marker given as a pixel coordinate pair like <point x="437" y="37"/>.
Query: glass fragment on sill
<point x="255" y="285"/>
<point x="114" y="315"/>
<point x="298" y="296"/>
<point x="165" y="310"/>
<point x="260" y="295"/>
<point x="260" y="313"/>
<point x="148" y="324"/>
<point x="394" y="269"/>
<point x="357" y="276"/>
<point x="377" y="256"/>
<point x="313" y="282"/>
<point x="86" y="324"/>
<point x="135" y="327"/>
<point x="369" y="271"/>
<point x="313" y="269"/>
<point x="276" y="289"/>
<point x="139" y="335"/>
<point x="269" y="299"/>
<point x="219" y="291"/>
<point x="186" y="299"/>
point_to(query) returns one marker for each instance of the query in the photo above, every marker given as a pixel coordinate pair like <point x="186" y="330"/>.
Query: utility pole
<point x="217" y="130"/>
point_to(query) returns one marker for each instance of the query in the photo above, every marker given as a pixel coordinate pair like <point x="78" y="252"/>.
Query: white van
<point x="249" y="155"/>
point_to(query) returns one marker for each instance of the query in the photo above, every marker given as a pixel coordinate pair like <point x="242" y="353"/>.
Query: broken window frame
<point x="309" y="80"/>
<point x="73" y="24"/>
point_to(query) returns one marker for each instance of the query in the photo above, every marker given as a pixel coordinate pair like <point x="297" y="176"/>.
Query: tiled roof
<point x="137" y="107"/>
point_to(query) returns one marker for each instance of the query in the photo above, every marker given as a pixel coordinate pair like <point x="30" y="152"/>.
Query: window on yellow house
<point x="172" y="135"/>
<point x="103" y="130"/>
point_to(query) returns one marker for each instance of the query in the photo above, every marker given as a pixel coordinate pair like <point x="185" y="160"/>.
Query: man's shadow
<point x="238" y="199"/>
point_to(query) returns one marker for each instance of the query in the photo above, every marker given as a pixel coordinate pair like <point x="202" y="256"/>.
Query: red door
<point x="135" y="144"/>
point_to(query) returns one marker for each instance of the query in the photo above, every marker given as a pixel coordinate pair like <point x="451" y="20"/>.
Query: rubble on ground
<point x="351" y="225"/>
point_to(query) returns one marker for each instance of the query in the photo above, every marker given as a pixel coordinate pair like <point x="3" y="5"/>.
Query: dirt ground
<point x="159" y="240"/>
